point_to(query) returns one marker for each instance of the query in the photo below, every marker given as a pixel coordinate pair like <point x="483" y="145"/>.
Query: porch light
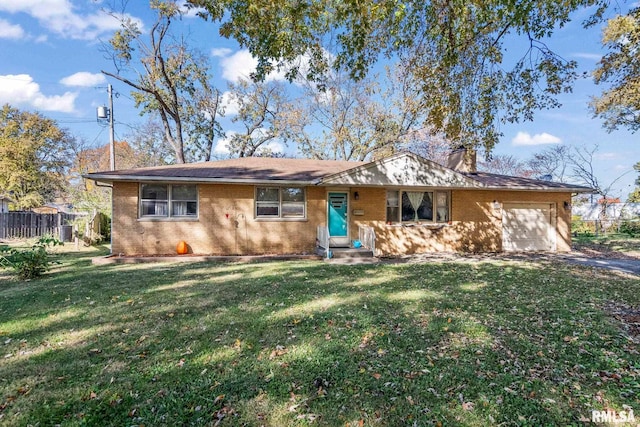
<point x="567" y="206"/>
<point x="496" y="205"/>
<point x="356" y="196"/>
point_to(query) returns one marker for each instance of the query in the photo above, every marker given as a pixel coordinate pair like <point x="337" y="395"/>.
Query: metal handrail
<point x="367" y="236"/>
<point x="323" y="237"/>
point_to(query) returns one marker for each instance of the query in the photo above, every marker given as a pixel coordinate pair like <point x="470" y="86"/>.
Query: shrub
<point x="31" y="262"/>
<point x="632" y="228"/>
<point x="579" y="226"/>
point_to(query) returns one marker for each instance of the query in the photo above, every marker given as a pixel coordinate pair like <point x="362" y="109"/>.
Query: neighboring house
<point x="288" y="206"/>
<point x="614" y="211"/>
<point x="4" y="203"/>
<point x="53" y="208"/>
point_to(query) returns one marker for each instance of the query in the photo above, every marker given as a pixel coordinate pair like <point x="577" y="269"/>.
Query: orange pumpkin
<point x="182" y="248"/>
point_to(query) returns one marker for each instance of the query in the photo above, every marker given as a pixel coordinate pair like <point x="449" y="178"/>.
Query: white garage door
<point x="528" y="227"/>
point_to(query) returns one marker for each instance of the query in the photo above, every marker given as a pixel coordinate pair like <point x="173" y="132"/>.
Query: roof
<point x="241" y="170"/>
<point x="402" y="169"/>
<point x="492" y="180"/>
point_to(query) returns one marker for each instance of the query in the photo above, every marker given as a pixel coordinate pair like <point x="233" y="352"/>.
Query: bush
<point x="31" y="262"/>
<point x="632" y="228"/>
<point x="578" y="226"/>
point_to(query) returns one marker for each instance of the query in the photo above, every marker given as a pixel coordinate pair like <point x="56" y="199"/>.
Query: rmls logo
<point x="613" y="416"/>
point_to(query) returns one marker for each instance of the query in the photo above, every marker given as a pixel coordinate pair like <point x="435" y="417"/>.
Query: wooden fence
<point x="25" y="225"/>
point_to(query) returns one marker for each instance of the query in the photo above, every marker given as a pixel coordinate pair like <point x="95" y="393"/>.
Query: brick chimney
<point x="462" y="159"/>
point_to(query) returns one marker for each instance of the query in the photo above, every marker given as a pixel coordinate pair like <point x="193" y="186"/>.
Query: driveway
<point x="622" y="265"/>
<point x="610" y="260"/>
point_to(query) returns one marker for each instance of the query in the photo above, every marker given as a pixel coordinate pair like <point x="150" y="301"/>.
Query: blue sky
<point x="50" y="62"/>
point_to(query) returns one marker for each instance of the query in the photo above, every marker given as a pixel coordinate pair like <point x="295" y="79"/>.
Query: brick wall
<point x="226" y="223"/>
<point x="475" y="225"/>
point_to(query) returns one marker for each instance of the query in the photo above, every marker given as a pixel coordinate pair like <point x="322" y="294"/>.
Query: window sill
<point x="420" y="224"/>
<point x="169" y="219"/>
<point x="281" y="219"/>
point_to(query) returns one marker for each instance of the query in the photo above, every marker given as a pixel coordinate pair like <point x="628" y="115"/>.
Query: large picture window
<point x="417" y="206"/>
<point x="280" y="202"/>
<point x="165" y="200"/>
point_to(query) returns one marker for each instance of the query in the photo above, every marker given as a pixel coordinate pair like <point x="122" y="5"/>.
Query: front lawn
<point x="613" y="245"/>
<point x="308" y="343"/>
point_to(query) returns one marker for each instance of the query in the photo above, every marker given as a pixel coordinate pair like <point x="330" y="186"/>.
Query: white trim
<point x="280" y="216"/>
<point x="169" y="216"/>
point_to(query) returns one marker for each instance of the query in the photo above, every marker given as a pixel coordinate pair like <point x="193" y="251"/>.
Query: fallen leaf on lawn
<point x="218" y="398"/>
<point x="181" y="363"/>
<point x="468" y="406"/>
<point x="279" y="351"/>
<point x="376" y="376"/>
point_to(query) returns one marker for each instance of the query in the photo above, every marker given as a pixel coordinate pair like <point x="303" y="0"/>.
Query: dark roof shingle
<point x="241" y="169"/>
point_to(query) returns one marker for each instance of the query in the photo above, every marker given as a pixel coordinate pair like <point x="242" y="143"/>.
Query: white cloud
<point x="220" y="52"/>
<point x="20" y="89"/>
<point x="231" y="106"/>
<point x="62" y="18"/>
<point x="10" y="31"/>
<point x="238" y="66"/>
<point x="222" y="146"/>
<point x="241" y="64"/>
<point x="606" y="156"/>
<point x="589" y="56"/>
<point x="191" y="12"/>
<point x="274" y="147"/>
<point x="525" y="138"/>
<point x="84" y="79"/>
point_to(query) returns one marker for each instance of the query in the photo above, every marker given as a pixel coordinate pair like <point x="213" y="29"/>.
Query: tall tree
<point x="351" y="120"/>
<point x="259" y="108"/>
<point x="34" y="157"/>
<point x="169" y="79"/>
<point x="634" y="196"/>
<point x="619" y="105"/>
<point x="148" y="143"/>
<point x="505" y="164"/>
<point x="429" y="145"/>
<point x="455" y="49"/>
<point x="554" y="162"/>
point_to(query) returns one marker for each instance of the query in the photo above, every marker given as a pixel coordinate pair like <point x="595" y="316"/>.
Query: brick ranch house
<point x="402" y="204"/>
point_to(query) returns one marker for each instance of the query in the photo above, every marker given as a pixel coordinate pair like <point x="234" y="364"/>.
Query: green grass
<point x="612" y="242"/>
<point x="308" y="343"/>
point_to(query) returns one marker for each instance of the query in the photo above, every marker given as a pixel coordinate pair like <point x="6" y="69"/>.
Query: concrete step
<point x="345" y="253"/>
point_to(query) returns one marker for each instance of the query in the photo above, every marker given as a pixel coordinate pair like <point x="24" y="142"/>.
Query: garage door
<point x="528" y="227"/>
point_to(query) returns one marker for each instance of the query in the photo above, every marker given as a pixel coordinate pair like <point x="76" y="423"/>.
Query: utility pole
<point x="112" y="147"/>
<point x="105" y="114"/>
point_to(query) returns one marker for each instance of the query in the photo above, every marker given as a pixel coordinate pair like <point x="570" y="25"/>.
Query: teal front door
<point x="337" y="219"/>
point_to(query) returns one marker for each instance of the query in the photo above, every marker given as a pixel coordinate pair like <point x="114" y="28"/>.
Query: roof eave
<point x="195" y="180"/>
<point x="549" y="189"/>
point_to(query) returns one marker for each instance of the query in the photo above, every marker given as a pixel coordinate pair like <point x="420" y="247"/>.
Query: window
<point x="417" y="206"/>
<point x="393" y="206"/>
<point x="164" y="200"/>
<point x="280" y="202"/>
